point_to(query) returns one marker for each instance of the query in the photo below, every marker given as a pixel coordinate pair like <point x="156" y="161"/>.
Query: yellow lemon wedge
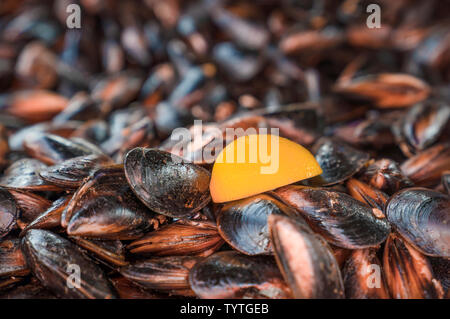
<point x="254" y="164"/>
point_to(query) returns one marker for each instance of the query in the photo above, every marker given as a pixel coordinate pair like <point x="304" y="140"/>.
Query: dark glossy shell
<point x="237" y="276"/>
<point x="424" y="123"/>
<point x="71" y="173"/>
<point x="111" y="251"/>
<point x="169" y="274"/>
<point x="179" y="238"/>
<point x="422" y="216"/>
<point x="166" y="183"/>
<point x="364" y="277"/>
<point x="367" y="194"/>
<point x="441" y="269"/>
<point x="305" y="260"/>
<point x="12" y="260"/>
<point x="446" y="181"/>
<point x="243" y="223"/>
<point x="105" y="207"/>
<point x="9" y="212"/>
<point x="425" y="168"/>
<point x="31" y="205"/>
<point x="385" y="174"/>
<point x="340" y="219"/>
<point x="49" y="257"/>
<point x="24" y="174"/>
<point x="52" y="149"/>
<point x="31" y="290"/>
<point x="129" y="290"/>
<point x="51" y="217"/>
<point x="338" y="161"/>
<point x="408" y="273"/>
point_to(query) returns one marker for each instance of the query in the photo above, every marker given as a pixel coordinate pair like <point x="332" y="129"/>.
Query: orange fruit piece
<point x="254" y="164"/>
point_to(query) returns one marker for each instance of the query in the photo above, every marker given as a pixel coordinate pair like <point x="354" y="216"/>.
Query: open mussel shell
<point x="385" y="175"/>
<point x="338" y="161"/>
<point x="105" y="207"/>
<point x="243" y="223"/>
<point x="367" y="194"/>
<point x="52" y="149"/>
<point x="237" y="276"/>
<point x="71" y="173"/>
<point x="12" y="260"/>
<point x="408" y="273"/>
<point x="167" y="274"/>
<point x="364" y="277"/>
<point x="179" y="238"/>
<point x="24" y="174"/>
<point x="9" y="212"/>
<point x="425" y="168"/>
<point x="305" y="259"/>
<point x="342" y="220"/>
<point x="422" y="217"/>
<point x="53" y="260"/>
<point x="166" y="183"/>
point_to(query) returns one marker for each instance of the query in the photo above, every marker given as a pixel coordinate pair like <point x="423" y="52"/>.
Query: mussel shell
<point x="408" y="273"/>
<point x="9" y="212"/>
<point x="169" y="274"/>
<point x="385" y="175"/>
<point x="72" y="172"/>
<point x="104" y="207"/>
<point x="166" y="183"/>
<point x="367" y="194"/>
<point x="31" y="290"/>
<point x="51" y="217"/>
<point x="425" y="168"/>
<point x="129" y="290"/>
<point x="49" y="257"/>
<point x="339" y="218"/>
<point x="31" y="205"/>
<point x="179" y="238"/>
<point x="243" y="223"/>
<point x="237" y="276"/>
<point x="338" y="161"/>
<point x="111" y="251"/>
<point x="441" y="269"/>
<point x="12" y="260"/>
<point x="424" y="123"/>
<point x="52" y="149"/>
<point x="422" y="217"/>
<point x="305" y="260"/>
<point x="446" y="181"/>
<point x="24" y="174"/>
<point x="361" y="279"/>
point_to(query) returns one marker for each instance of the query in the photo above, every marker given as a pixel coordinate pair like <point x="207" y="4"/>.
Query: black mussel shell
<point x="305" y="260"/>
<point x="72" y="172"/>
<point x="110" y="251"/>
<point x="338" y="161"/>
<point x="422" y="217"/>
<point x="9" y="212"/>
<point x="425" y="168"/>
<point x="53" y="260"/>
<point x="105" y="207"/>
<point x="364" y="277"/>
<point x="243" y="223"/>
<point x="12" y="260"/>
<point x="24" y="174"/>
<point x="166" y="183"/>
<point x="408" y="273"/>
<point x="342" y="220"/>
<point x="229" y="274"/>
<point x="168" y="274"/>
<point x="52" y="149"/>
<point x="182" y="237"/>
<point x="385" y="175"/>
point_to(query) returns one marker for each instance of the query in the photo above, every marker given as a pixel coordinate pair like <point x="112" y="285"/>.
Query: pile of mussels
<point x="93" y="203"/>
